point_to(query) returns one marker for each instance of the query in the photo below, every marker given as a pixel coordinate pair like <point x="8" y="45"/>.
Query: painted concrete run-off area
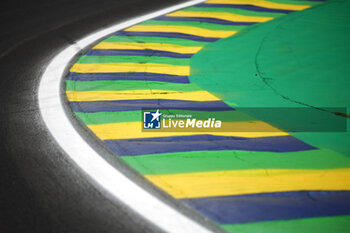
<point x="220" y="57"/>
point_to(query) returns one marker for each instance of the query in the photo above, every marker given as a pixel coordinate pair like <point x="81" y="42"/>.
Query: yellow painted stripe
<point x="130" y="67"/>
<point x="130" y="130"/>
<point x="221" y="183"/>
<point x="139" y="94"/>
<point x="220" y="15"/>
<point x="154" y="46"/>
<point x="261" y="3"/>
<point x="182" y="29"/>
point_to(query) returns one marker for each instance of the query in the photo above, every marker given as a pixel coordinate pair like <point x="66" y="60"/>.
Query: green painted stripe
<point x="146" y="39"/>
<point x="108" y="117"/>
<point x="132" y="116"/>
<point x="200" y="161"/>
<point x="120" y="85"/>
<point x="234" y="11"/>
<point x="203" y="25"/>
<point x="294" y="2"/>
<point x="338" y="224"/>
<point x="134" y="59"/>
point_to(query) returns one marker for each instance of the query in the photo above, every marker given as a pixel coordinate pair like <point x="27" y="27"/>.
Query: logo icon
<point x="151" y="120"/>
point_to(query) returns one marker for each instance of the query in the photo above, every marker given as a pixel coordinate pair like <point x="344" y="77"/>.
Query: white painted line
<point x="52" y="111"/>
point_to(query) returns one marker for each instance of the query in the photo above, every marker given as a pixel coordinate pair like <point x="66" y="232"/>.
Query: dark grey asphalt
<point x="40" y="189"/>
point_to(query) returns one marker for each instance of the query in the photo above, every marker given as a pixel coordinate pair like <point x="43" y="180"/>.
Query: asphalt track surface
<point x="41" y="189"/>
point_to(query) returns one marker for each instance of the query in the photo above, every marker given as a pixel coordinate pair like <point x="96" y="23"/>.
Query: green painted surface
<point x="134" y="59"/>
<point x="199" y="161"/>
<point x="340" y="224"/>
<point x="195" y="24"/>
<point x="128" y="85"/>
<point x="109" y="117"/>
<point x="234" y="11"/>
<point x="246" y="70"/>
<point x="150" y="39"/>
<point x="299" y="58"/>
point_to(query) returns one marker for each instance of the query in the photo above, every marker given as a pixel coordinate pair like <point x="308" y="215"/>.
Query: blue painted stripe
<point x="273" y="206"/>
<point x="245" y="7"/>
<point x="128" y="76"/>
<point x="168" y="35"/>
<point x="132" y="147"/>
<point x="204" y="20"/>
<point x="132" y="105"/>
<point x="131" y="52"/>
